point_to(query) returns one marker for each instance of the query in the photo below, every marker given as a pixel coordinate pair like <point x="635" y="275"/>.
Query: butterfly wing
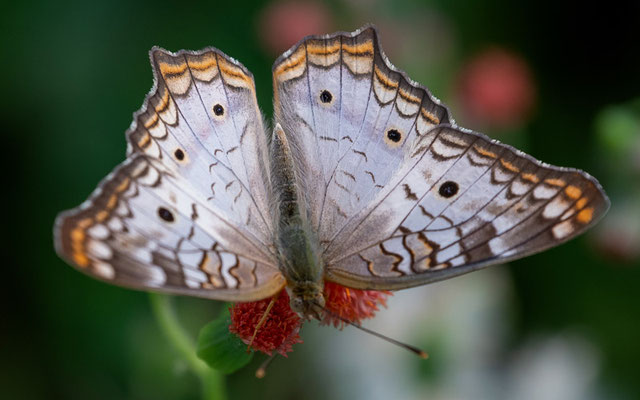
<point x="407" y="198"/>
<point x="461" y="202"/>
<point x="336" y="97"/>
<point x="185" y="213"/>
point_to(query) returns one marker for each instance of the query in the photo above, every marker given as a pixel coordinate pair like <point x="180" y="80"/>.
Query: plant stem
<point x="212" y="381"/>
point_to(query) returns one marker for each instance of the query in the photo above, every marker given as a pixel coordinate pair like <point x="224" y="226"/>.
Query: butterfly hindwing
<point x="140" y="229"/>
<point x="187" y="212"/>
<point x="337" y="98"/>
<point x="461" y="202"/>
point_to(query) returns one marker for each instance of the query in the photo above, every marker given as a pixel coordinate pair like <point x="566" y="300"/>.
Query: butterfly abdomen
<point x="297" y="245"/>
<point x="284" y="180"/>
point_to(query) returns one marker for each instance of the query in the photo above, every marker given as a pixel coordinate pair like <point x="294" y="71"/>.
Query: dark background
<point x="72" y="73"/>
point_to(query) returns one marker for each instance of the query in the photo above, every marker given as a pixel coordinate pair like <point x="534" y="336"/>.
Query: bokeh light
<point x="283" y="23"/>
<point x="496" y="90"/>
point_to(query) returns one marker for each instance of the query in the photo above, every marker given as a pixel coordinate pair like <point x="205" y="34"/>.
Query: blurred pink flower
<point x="283" y="23"/>
<point x="618" y="237"/>
<point x="496" y="89"/>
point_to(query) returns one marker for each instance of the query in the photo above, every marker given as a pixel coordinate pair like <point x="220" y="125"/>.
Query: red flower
<point x="281" y="329"/>
<point x="279" y="332"/>
<point x="351" y="304"/>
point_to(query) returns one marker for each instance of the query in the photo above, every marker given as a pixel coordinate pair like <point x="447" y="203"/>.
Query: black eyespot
<point x="448" y="189"/>
<point x="218" y="110"/>
<point x="326" y="96"/>
<point x="165" y="214"/>
<point x="394" y="135"/>
<point x="179" y="154"/>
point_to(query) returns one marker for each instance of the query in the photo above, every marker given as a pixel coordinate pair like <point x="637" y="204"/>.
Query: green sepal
<point x="221" y="349"/>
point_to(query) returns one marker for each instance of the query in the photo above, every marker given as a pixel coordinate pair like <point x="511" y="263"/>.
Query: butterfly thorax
<point x="298" y="250"/>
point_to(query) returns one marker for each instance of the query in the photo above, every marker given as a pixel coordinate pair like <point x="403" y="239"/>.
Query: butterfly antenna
<point x="421" y="353"/>
<point x="262" y="321"/>
<point x="262" y="371"/>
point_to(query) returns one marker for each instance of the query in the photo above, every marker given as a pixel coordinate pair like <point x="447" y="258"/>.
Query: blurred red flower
<point x="496" y="88"/>
<point x="281" y="329"/>
<point x="283" y="23"/>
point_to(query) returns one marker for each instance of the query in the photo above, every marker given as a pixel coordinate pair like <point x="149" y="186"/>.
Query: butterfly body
<point x="298" y="249"/>
<point x="365" y="181"/>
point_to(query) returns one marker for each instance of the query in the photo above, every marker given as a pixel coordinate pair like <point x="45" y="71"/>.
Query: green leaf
<point x="617" y="128"/>
<point x="221" y="349"/>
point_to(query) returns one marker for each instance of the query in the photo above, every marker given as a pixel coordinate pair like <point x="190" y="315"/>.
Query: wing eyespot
<point x="179" y="154"/>
<point x="448" y="189"/>
<point x="326" y="97"/>
<point x="218" y="110"/>
<point x="165" y="214"/>
<point x="394" y="135"/>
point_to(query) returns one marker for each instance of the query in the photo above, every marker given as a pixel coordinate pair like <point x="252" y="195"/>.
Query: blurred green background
<point x="561" y="81"/>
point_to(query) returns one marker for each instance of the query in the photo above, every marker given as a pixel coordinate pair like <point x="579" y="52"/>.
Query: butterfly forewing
<point x="187" y="212"/>
<point x="351" y="114"/>
<point x="203" y="122"/>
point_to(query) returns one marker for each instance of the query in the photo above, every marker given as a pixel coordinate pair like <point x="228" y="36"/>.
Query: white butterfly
<point x="365" y="181"/>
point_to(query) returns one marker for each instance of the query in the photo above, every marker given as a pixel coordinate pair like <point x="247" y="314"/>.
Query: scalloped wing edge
<point x="378" y="50"/>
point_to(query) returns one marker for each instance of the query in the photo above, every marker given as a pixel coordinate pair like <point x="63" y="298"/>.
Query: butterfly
<point x="365" y="180"/>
